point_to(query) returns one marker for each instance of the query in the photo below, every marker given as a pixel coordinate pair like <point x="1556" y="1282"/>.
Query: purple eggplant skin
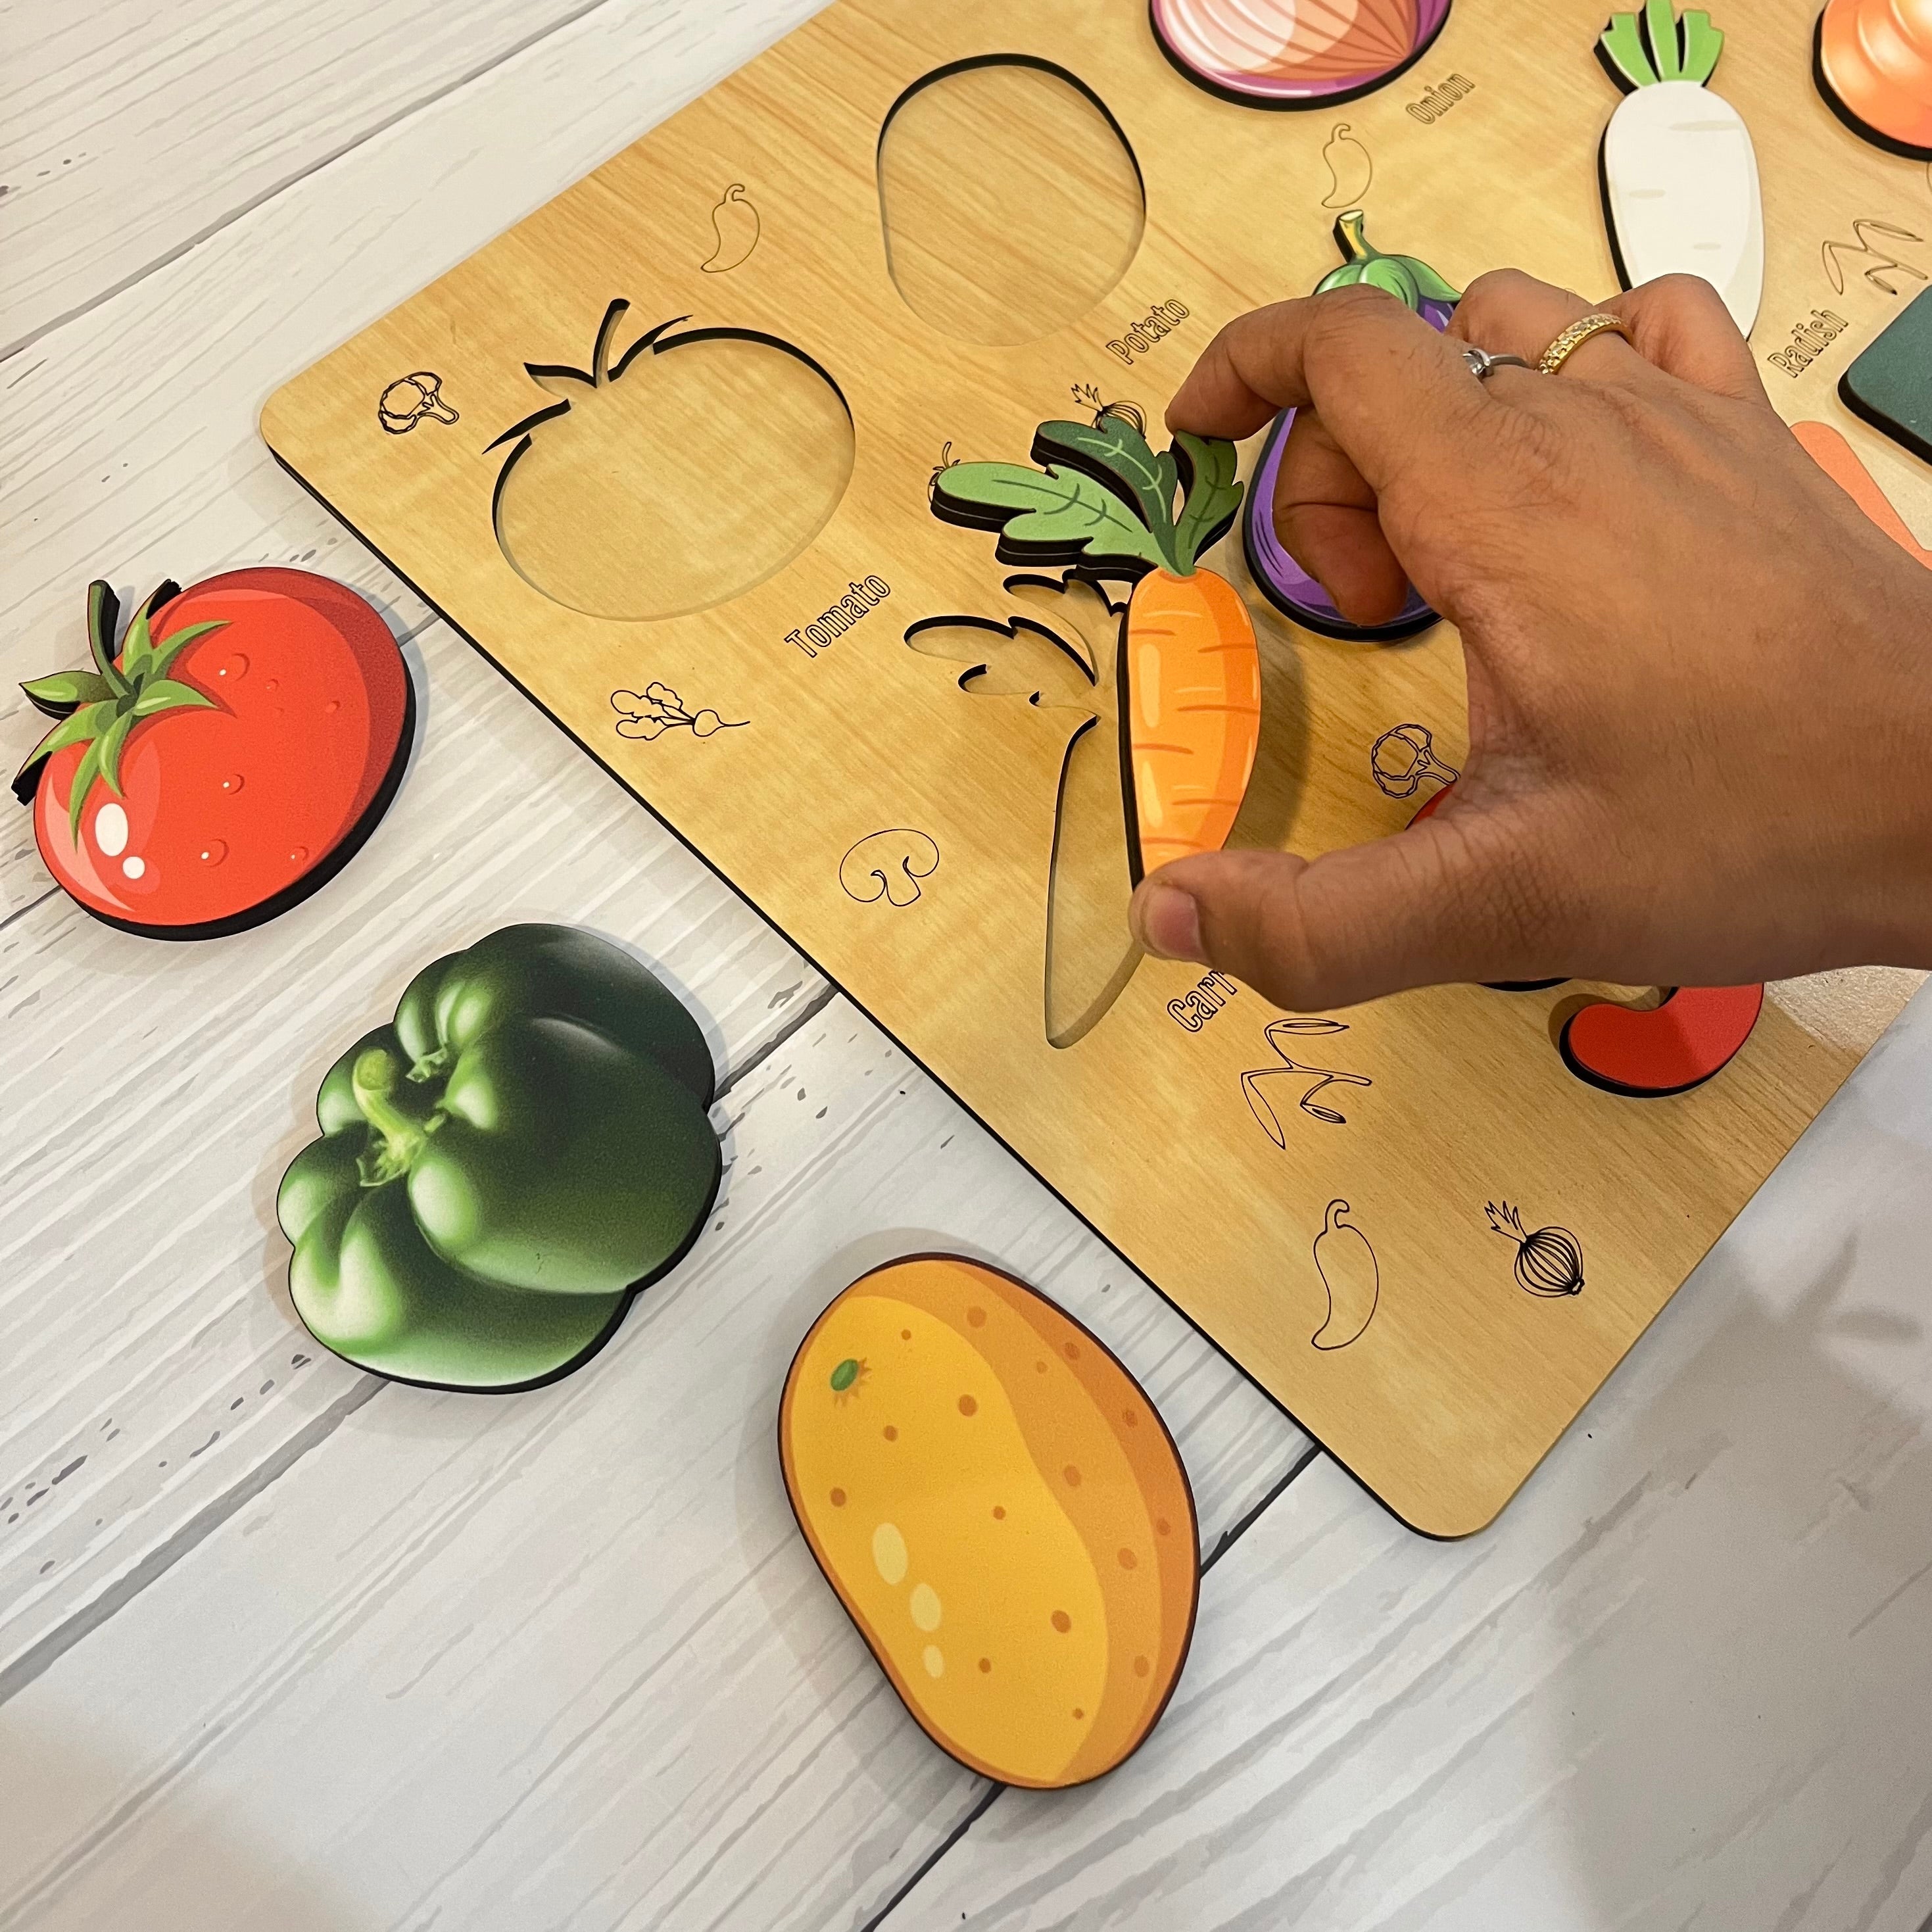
<point x="1283" y="581"/>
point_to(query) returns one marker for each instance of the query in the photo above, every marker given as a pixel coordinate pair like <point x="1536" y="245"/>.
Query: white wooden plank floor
<point x="281" y="1644"/>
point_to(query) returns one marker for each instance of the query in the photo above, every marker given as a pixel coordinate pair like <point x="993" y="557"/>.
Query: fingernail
<point x="1168" y="925"/>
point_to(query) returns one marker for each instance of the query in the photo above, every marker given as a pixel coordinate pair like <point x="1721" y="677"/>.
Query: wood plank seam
<point x="21" y="911"/>
<point x="48" y="1649"/>
<point x="212" y="229"/>
<point x="1228" y="1539"/>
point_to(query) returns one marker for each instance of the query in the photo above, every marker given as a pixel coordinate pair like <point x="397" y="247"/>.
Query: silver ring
<point x="1481" y="362"/>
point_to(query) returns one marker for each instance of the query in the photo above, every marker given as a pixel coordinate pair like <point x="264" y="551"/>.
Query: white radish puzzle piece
<point x="1679" y="173"/>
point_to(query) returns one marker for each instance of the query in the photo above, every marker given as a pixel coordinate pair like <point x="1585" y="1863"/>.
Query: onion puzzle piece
<point x="1678" y="172"/>
<point x="1282" y="580"/>
<point x="1292" y="53"/>
<point x="1873" y="65"/>
<point x="1002" y="1512"/>
<point x="227" y="759"/>
<point x="502" y="1167"/>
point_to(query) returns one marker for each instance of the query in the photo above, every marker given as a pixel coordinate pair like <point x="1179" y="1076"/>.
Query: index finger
<point x="1384" y="382"/>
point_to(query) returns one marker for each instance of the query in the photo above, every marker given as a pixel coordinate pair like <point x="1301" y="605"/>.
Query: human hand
<point x="1699" y="705"/>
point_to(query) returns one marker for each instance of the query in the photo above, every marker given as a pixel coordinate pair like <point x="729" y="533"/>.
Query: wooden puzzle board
<point x="818" y="739"/>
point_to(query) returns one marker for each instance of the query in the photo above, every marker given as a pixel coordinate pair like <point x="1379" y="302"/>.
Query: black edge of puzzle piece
<point x="1889" y="384"/>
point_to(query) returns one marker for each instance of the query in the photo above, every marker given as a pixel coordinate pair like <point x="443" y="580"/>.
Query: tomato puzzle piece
<point x="223" y="761"/>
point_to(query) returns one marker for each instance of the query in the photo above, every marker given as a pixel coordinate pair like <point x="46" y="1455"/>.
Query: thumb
<point x="1417" y="909"/>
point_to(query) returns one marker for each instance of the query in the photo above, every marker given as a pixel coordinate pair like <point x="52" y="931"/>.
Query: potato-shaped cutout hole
<point x="1011" y="200"/>
<point x="675" y="477"/>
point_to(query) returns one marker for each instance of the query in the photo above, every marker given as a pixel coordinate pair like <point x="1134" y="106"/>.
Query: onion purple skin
<point x="1252" y="91"/>
<point x="1283" y="581"/>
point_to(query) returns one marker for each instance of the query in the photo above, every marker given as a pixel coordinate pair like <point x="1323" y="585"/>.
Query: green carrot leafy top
<point x="1641" y="50"/>
<point x="1101" y="496"/>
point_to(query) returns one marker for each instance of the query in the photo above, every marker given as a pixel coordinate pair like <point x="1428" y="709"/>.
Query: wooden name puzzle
<point x="804" y="463"/>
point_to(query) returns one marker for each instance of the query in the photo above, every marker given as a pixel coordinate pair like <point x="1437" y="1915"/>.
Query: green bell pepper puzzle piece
<point x="504" y="1166"/>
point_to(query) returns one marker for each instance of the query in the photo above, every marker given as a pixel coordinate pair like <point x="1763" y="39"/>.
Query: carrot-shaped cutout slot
<point x="1189" y="673"/>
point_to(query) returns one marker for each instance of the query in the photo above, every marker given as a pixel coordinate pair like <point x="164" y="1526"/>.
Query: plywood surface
<point x="1461" y="1382"/>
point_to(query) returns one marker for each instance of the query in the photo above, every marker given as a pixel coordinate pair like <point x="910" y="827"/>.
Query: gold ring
<point x="1573" y="337"/>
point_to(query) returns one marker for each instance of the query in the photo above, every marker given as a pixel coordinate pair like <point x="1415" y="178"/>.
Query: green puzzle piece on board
<point x="1891" y="384"/>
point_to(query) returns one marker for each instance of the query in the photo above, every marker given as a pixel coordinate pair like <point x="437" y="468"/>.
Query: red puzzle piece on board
<point x="1650" y="1053"/>
<point x="1695" y="1032"/>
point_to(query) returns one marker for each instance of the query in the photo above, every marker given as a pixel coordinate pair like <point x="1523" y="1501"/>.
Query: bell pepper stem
<point x="395" y="1140"/>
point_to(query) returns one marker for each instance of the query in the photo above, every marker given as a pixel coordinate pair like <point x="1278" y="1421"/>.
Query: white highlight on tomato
<point x="110" y="830"/>
<point x="134" y="867"/>
<point x="1680" y="177"/>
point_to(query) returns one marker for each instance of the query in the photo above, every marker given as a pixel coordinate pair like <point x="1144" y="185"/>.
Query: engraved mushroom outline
<point x="897" y="867"/>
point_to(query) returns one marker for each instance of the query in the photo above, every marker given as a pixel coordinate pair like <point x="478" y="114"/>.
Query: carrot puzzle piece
<point x="1189" y="669"/>
<point x="1873" y="63"/>
<point x="1828" y="449"/>
<point x="1002" y="1514"/>
<point x="1679" y="174"/>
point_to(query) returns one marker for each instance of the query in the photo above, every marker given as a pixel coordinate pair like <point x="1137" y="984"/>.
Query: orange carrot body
<point x="1827" y="447"/>
<point x="1191" y="677"/>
